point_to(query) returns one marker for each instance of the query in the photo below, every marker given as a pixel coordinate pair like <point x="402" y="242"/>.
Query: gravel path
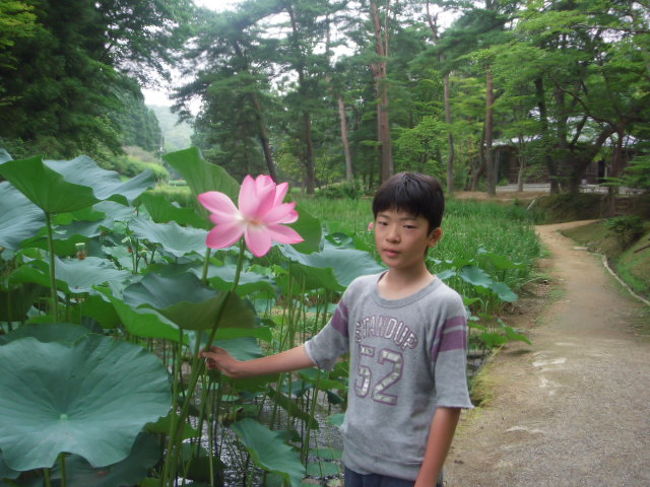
<point x="573" y="409"/>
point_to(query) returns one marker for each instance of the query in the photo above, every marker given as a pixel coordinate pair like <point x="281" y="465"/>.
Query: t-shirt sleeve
<point x="449" y="356"/>
<point x="333" y="340"/>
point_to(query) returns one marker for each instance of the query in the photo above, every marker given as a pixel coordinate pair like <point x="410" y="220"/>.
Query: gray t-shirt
<point x="407" y="356"/>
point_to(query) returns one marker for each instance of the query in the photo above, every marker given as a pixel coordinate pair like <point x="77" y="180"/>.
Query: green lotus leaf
<point x="67" y="333"/>
<point x="310" y="229"/>
<point x="19" y="217"/>
<point x="144" y="323"/>
<point x="100" y="310"/>
<point x="223" y="277"/>
<point x="269" y="451"/>
<point x="345" y="264"/>
<point x="184" y="300"/>
<point x="161" y="291"/>
<point x="105" y="184"/>
<point x="173" y="238"/>
<point x="502" y="290"/>
<point x="201" y="176"/>
<point x="162" y="211"/>
<point x="45" y="187"/>
<point x="163" y="425"/>
<point x="145" y="454"/>
<point x="90" y="399"/>
<point x="475" y="276"/>
<point x="72" y="275"/>
<point x="6" y="472"/>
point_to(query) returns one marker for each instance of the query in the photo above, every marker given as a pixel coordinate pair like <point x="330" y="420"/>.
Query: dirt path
<point x="573" y="409"/>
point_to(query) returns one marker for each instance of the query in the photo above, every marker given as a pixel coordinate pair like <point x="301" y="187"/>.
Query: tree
<point x="73" y="69"/>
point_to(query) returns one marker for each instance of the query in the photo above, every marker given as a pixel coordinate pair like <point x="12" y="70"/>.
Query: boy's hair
<point x="415" y="193"/>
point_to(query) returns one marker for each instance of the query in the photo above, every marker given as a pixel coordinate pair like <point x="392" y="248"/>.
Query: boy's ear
<point x="435" y="236"/>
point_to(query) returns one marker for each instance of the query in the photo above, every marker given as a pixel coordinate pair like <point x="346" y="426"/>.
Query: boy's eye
<point x="382" y="223"/>
<point x="410" y="227"/>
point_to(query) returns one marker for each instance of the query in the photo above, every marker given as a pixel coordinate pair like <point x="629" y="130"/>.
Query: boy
<point x="406" y="334"/>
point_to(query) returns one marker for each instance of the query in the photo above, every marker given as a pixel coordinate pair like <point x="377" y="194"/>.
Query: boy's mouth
<point x="391" y="252"/>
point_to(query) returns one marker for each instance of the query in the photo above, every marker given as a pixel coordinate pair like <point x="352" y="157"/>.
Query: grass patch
<point x="632" y="263"/>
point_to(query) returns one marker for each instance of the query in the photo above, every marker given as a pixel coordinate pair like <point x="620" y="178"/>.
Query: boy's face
<point x="402" y="239"/>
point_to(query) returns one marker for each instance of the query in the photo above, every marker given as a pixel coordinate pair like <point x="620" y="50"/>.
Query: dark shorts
<point x="354" y="479"/>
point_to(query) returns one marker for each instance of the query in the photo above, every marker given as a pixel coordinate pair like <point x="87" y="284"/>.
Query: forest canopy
<point x="324" y="91"/>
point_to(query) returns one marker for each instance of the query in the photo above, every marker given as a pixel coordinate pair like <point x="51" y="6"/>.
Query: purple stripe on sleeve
<point x="444" y="341"/>
<point x="454" y="340"/>
<point x="340" y="319"/>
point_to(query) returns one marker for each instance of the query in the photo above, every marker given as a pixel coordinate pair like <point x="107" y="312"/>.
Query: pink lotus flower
<point x="260" y="216"/>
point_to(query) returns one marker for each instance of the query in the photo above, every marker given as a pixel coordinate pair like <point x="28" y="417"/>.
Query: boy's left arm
<point x="441" y="433"/>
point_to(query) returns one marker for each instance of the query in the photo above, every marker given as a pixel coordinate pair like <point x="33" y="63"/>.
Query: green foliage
<point x="627" y="228"/>
<point x="134" y="266"/>
<point x="46" y="412"/>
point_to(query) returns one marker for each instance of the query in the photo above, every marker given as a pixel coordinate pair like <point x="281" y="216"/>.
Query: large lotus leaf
<point x="145" y="454"/>
<point x="223" y="277"/>
<point x="144" y="322"/>
<point x="227" y="307"/>
<point x="73" y="275"/>
<point x="19" y="217"/>
<point x="161" y="291"/>
<point x="16" y="302"/>
<point x="184" y="300"/>
<point x="90" y="399"/>
<point x="476" y="276"/>
<point x="82" y="275"/>
<point x="67" y="333"/>
<point x="45" y="187"/>
<point x="95" y="307"/>
<point x="173" y="238"/>
<point x="105" y="184"/>
<point x="6" y="472"/>
<point x="269" y="451"/>
<point x="504" y="292"/>
<point x="162" y="211"/>
<point x="346" y="264"/>
<point x="201" y="176"/>
<point x="310" y="229"/>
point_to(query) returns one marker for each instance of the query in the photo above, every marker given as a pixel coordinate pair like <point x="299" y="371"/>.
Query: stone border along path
<point x="573" y="409"/>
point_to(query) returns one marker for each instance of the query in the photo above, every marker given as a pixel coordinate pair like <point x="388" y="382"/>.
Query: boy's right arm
<point x="287" y="361"/>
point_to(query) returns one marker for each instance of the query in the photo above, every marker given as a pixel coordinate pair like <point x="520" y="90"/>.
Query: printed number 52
<point x="363" y="384"/>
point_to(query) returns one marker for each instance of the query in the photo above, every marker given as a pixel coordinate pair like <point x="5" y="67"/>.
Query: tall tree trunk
<point x="310" y="171"/>
<point x="308" y="159"/>
<point x="380" y="74"/>
<point x="345" y="139"/>
<point x="264" y="138"/>
<point x="433" y="25"/>
<point x="489" y="129"/>
<point x="450" y="136"/>
<point x="551" y="167"/>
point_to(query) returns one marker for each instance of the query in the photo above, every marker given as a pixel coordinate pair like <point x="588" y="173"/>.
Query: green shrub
<point x="341" y="190"/>
<point x="180" y="194"/>
<point x="129" y="166"/>
<point x="627" y="228"/>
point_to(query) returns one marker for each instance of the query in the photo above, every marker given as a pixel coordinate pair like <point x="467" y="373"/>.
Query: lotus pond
<point x="108" y="292"/>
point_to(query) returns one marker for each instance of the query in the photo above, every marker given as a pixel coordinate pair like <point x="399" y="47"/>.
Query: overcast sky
<point x="158" y="96"/>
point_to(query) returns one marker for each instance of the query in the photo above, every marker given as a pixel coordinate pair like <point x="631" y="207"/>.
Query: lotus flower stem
<point x="206" y="264"/>
<point x="50" y="247"/>
<point x="64" y="480"/>
<point x="198" y="368"/>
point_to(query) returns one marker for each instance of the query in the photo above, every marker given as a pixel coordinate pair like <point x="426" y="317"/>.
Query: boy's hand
<point x="218" y="358"/>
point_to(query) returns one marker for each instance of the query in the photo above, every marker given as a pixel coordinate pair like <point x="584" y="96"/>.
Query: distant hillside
<point x="176" y="136"/>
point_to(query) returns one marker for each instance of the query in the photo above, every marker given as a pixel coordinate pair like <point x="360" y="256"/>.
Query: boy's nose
<point x="393" y="234"/>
